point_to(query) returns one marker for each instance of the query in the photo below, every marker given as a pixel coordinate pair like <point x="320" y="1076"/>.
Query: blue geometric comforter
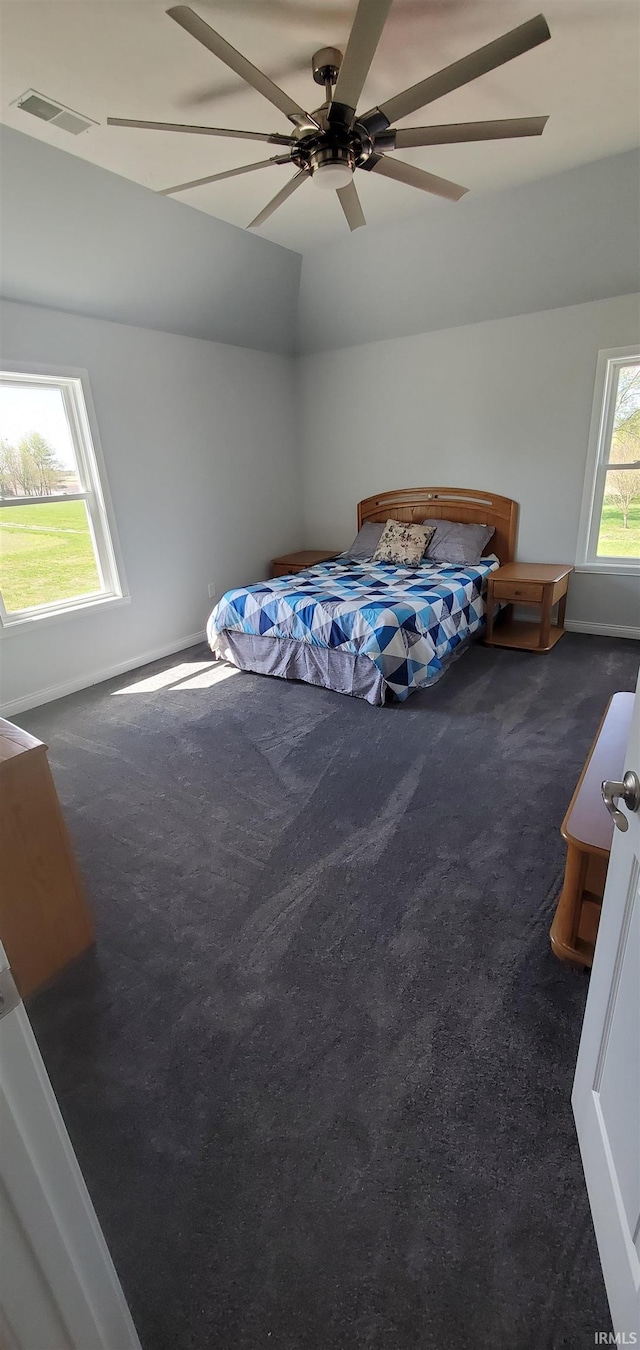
<point x="407" y="620"/>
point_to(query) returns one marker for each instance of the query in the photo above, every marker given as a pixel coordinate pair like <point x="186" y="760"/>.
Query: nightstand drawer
<point x="517" y="590"/>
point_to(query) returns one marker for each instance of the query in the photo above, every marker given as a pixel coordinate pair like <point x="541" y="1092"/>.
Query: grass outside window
<point x="46" y="554"/>
<point x="614" y="541"/>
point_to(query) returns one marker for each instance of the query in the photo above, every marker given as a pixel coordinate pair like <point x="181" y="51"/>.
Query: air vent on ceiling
<point x="53" y="113"/>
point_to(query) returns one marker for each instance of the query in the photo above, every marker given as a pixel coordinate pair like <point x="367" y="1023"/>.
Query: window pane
<point x="620" y="521"/>
<point x="37" y="457"/>
<point x="624" y="446"/>
<point x="46" y="554"/>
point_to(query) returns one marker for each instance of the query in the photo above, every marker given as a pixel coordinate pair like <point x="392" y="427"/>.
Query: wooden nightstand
<point x="290" y="563"/>
<point x="540" y="584"/>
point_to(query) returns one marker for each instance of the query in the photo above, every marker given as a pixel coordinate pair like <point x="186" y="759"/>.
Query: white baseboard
<point x="18" y="705"/>
<point x="605" y="629"/>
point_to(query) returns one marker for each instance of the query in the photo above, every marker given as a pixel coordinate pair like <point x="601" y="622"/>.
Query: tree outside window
<point x="622" y="484"/>
<point x="609" y="537"/>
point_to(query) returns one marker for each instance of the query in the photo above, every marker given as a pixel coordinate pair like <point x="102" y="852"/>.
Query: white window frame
<point x="94" y="491"/>
<point x="607" y="369"/>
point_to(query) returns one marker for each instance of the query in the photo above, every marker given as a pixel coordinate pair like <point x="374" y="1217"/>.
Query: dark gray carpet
<point x="318" y="1070"/>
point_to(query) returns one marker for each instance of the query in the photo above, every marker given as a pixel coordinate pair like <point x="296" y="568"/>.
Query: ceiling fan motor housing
<point x="332" y="166"/>
<point x="336" y="145"/>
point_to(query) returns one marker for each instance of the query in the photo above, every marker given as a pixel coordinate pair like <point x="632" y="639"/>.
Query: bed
<point x="377" y="631"/>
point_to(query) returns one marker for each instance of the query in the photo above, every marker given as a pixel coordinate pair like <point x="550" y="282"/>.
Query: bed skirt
<point x="343" y="672"/>
<point x="290" y="659"/>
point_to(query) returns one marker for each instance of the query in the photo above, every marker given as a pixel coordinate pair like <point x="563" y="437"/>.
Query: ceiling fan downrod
<point x="331" y="153"/>
<point x="325" y="68"/>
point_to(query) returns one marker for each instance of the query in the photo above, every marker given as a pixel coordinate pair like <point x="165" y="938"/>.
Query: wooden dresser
<point x="44" y="918"/>
<point x="587" y="830"/>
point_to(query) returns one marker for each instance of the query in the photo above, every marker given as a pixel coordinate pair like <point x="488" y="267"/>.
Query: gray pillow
<point x="365" y="542"/>
<point x="454" y="542"/>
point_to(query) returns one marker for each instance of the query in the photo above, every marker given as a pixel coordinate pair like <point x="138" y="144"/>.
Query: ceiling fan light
<point x="332" y="176"/>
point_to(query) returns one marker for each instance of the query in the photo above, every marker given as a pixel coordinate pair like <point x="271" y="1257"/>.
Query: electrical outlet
<point x="212" y="591"/>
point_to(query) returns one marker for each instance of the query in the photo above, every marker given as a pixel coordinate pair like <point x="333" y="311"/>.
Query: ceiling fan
<point x="329" y="144"/>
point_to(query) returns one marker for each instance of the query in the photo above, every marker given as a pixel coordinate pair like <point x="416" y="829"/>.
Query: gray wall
<point x="202" y="464"/>
<point x="562" y="240"/>
<point x="76" y="237"/>
<point x="503" y="405"/>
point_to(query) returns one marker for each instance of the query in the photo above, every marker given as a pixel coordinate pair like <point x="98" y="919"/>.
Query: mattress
<point x="406" y="621"/>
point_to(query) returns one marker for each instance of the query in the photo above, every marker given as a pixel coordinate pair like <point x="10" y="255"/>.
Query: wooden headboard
<point x="465" y="504"/>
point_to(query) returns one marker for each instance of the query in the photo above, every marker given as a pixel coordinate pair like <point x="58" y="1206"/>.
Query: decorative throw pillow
<point x="401" y="543"/>
<point x="452" y="542"/>
<point x="365" y="542"/>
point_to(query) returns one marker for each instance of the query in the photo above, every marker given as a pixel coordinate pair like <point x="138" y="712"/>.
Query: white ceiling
<point x="126" y="58"/>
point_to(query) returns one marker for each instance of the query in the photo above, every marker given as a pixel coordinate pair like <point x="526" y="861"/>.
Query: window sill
<point x="42" y="620"/>
<point x="613" y="569"/>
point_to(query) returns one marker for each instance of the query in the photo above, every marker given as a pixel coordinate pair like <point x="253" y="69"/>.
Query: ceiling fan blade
<point x="228" y="173"/>
<point x="404" y="138"/>
<point x="276" y="139"/>
<point x="515" y="43"/>
<point x="415" y="177"/>
<point x="350" y="203"/>
<point x="202" y="32"/>
<point x="279" y="198"/>
<point x="366" y="31"/>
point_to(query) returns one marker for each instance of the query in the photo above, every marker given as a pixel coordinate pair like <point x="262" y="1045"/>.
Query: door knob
<point x="629" y="790"/>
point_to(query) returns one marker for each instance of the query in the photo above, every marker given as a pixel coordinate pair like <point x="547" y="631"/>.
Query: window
<point x="56" y="549"/>
<point x="610" y="524"/>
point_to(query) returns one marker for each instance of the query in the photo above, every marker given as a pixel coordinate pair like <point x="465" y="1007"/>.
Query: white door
<point x="58" y="1286"/>
<point x="606" y="1091"/>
